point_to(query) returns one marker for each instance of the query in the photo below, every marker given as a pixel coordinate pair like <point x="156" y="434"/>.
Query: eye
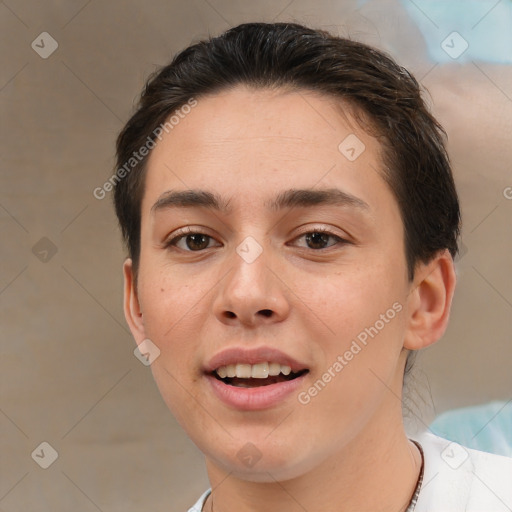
<point x="317" y="239"/>
<point x="193" y="240"/>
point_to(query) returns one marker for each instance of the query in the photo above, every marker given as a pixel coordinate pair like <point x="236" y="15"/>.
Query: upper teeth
<point x="256" y="371"/>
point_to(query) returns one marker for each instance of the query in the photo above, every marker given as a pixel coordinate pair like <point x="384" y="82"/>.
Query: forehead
<point x="251" y="144"/>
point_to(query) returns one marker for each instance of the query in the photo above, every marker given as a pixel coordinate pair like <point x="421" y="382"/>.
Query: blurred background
<point x="71" y="73"/>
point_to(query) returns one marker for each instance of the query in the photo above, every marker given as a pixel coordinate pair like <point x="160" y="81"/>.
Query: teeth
<point x="274" y="369"/>
<point x="259" y="371"/>
<point x="243" y="371"/>
<point x="256" y="371"/>
<point x="285" y="370"/>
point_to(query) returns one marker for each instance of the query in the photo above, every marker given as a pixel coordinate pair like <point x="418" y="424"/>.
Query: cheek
<point x="172" y="320"/>
<point x="168" y="303"/>
<point x="171" y="312"/>
<point x="350" y="301"/>
<point x="359" y="369"/>
<point x="363" y="315"/>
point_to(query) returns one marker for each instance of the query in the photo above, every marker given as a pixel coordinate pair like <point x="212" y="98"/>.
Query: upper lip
<point x="243" y="355"/>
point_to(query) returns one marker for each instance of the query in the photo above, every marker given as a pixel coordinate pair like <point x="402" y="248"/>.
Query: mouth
<point x="254" y="379"/>
<point x="242" y="375"/>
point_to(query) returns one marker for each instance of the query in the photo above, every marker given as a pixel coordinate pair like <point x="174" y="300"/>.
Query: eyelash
<point x="190" y="231"/>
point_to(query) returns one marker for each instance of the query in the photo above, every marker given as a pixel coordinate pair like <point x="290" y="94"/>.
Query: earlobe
<point x="430" y="302"/>
<point x="132" y="309"/>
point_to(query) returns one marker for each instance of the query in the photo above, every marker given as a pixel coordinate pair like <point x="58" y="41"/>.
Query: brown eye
<point x="196" y="241"/>
<point x="190" y="241"/>
<point x="318" y="239"/>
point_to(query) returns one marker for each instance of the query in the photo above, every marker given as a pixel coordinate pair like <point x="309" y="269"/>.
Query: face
<point x="313" y="284"/>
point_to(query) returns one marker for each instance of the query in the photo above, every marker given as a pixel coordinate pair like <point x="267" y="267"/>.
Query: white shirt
<point x="455" y="479"/>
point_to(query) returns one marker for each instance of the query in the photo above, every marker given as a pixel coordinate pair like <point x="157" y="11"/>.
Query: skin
<point x="246" y="145"/>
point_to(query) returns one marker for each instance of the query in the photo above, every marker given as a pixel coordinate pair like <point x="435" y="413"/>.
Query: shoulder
<point x="457" y="478"/>
<point x="198" y="507"/>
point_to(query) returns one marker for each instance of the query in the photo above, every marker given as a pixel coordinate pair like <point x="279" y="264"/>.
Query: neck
<point x="378" y="471"/>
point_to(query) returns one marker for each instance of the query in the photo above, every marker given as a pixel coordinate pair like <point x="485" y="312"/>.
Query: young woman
<point x="291" y="221"/>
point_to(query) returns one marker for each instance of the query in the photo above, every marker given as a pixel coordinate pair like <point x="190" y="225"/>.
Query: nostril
<point x="266" y="312"/>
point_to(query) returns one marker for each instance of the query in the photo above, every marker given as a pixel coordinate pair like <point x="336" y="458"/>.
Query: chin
<point x="268" y="471"/>
<point x="268" y="462"/>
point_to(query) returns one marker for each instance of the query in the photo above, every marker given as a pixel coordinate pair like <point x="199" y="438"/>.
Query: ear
<point x="430" y="301"/>
<point x="132" y="310"/>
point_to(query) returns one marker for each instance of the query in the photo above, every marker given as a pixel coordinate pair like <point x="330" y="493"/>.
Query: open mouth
<point x="257" y="375"/>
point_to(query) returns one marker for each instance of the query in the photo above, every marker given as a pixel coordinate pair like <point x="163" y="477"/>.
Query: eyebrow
<point x="286" y="199"/>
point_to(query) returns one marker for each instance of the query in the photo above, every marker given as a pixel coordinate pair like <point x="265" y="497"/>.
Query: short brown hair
<point x="264" y="55"/>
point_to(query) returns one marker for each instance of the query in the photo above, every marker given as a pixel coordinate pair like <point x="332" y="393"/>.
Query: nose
<point x="251" y="293"/>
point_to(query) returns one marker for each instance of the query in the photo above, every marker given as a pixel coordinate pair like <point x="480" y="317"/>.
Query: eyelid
<point x="326" y="230"/>
<point x="183" y="232"/>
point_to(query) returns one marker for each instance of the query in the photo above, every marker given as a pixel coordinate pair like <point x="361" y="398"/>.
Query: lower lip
<point x="257" y="398"/>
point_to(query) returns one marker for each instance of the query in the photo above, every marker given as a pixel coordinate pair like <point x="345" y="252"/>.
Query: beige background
<point x="68" y="374"/>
